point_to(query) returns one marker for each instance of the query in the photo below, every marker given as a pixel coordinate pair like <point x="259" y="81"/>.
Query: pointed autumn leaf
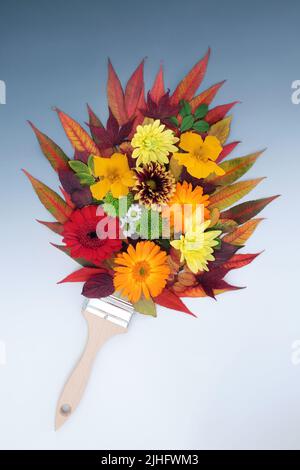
<point x="82" y="275"/>
<point x="158" y="88"/>
<point x="206" y="96"/>
<point x="190" y="84"/>
<point x="234" y="169"/>
<point x="221" y="129"/>
<point x="227" y="196"/>
<point x="66" y="250"/>
<point x="146" y="307"/>
<point x="50" y="199"/>
<point x="56" y="227"/>
<point x="139" y="115"/>
<point x="245" y="211"/>
<point x="169" y="299"/>
<point x="198" y="291"/>
<point x="238" y="261"/>
<point x="134" y="88"/>
<point x="78" y="137"/>
<point x="54" y="154"/>
<point x="227" y="149"/>
<point x="219" y="112"/>
<point x="115" y="95"/>
<point x="240" y="235"/>
<point x="93" y="118"/>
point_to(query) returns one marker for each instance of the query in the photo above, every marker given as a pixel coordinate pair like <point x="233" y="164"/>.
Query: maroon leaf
<point x="219" y="112"/>
<point x="100" y="285"/>
<point x="227" y="149"/>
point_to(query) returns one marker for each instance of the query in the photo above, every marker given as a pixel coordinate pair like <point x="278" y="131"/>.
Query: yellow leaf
<point x="175" y="168"/>
<point x="221" y="129"/>
<point x="230" y="194"/>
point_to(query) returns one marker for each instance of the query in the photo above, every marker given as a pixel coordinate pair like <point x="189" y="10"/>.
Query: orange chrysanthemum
<point x="142" y="270"/>
<point x="186" y="195"/>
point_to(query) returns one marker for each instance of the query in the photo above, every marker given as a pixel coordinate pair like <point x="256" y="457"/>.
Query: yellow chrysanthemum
<point x="152" y="143"/>
<point x="115" y="176"/>
<point x="142" y="270"/>
<point x="196" y="247"/>
<point x="200" y="155"/>
<point x="186" y="196"/>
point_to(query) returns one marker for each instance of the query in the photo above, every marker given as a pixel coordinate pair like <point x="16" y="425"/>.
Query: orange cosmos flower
<point x="186" y="195"/>
<point x="142" y="270"/>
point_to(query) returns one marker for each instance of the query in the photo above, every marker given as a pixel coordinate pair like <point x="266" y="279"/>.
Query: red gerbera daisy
<point x="80" y="235"/>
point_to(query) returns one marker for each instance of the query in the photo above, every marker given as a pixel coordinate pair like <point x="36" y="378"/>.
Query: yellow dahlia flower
<point x="152" y="143"/>
<point x="196" y="247"/>
<point x="200" y="155"/>
<point x="115" y="176"/>
<point x="142" y="270"/>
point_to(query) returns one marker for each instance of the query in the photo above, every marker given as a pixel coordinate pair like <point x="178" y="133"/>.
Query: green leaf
<point x="174" y="120"/>
<point x="187" y="123"/>
<point x="146" y="307"/>
<point x="201" y="111"/>
<point x="201" y="126"/>
<point x="86" y="178"/>
<point x="78" y="167"/>
<point x="91" y="163"/>
<point x="185" y="108"/>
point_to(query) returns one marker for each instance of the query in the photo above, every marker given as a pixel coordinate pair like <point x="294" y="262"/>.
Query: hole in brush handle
<point x="65" y="409"/>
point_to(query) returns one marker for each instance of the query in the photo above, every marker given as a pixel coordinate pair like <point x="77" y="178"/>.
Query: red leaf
<point x="206" y="96"/>
<point x="139" y="116"/>
<point x="67" y="198"/>
<point x="93" y="118"/>
<point x="51" y="150"/>
<point x="115" y="95"/>
<point x="227" y="149"/>
<point x="219" y="112"/>
<point x="134" y="88"/>
<point x="245" y="211"/>
<point x="82" y="275"/>
<point x="190" y="84"/>
<point x="56" y="227"/>
<point x="238" y="261"/>
<point x="158" y="88"/>
<point x="170" y="300"/>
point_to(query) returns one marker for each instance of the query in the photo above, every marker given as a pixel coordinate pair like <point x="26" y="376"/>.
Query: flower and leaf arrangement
<point x="126" y="186"/>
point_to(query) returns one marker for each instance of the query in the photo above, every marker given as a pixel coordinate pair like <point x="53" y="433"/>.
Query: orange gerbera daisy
<point x="142" y="270"/>
<point x="185" y="195"/>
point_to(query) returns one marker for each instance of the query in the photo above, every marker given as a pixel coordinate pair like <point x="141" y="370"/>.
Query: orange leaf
<point x="78" y="137"/>
<point x="238" y="261"/>
<point x="206" y="96"/>
<point x="50" y="199"/>
<point x="133" y="90"/>
<point x="168" y="299"/>
<point x="158" y="88"/>
<point x="51" y="150"/>
<point x="219" y="112"/>
<point x="115" y="96"/>
<point x="240" y="235"/>
<point x="190" y="84"/>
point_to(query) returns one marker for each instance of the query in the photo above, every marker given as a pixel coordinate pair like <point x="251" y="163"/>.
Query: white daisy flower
<point x="134" y="213"/>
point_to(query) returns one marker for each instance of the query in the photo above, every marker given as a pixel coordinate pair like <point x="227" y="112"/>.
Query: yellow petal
<point x="100" y="166"/>
<point x="128" y="178"/>
<point x="100" y="189"/>
<point x="190" y="142"/>
<point x="118" y="189"/>
<point x="119" y="161"/>
<point x="212" y="146"/>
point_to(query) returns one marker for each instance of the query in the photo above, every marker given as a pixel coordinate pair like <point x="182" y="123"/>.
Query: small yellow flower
<point x="152" y="143"/>
<point x="115" y="176"/>
<point x="196" y="247"/>
<point x="201" y="154"/>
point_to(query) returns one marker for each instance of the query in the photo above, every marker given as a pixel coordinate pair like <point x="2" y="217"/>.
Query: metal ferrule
<point x="111" y="308"/>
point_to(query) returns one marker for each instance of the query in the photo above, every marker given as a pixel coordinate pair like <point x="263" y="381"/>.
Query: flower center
<point x="92" y="235"/>
<point x="199" y="155"/>
<point x="151" y="184"/>
<point x="141" y="270"/>
<point x="150" y="143"/>
<point x="113" y="176"/>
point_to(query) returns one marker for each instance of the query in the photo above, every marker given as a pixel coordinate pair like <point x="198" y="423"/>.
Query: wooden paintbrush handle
<point x="99" y="330"/>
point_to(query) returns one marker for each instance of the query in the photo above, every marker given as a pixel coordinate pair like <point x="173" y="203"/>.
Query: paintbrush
<point x="105" y="317"/>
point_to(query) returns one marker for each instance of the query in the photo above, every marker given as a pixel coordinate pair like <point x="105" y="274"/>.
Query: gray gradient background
<point x="225" y="380"/>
